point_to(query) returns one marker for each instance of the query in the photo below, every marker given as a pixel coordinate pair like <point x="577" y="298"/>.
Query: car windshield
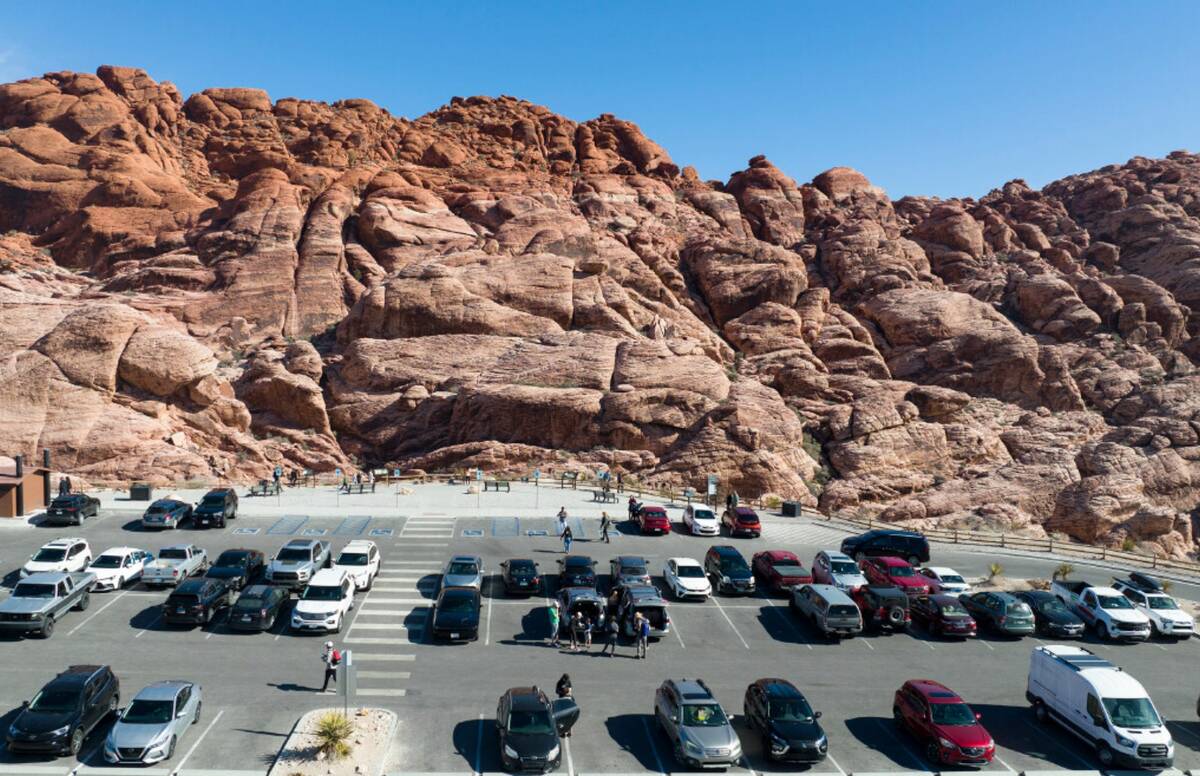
<point x="530" y="723"/>
<point x="690" y="571"/>
<point x="1053" y="607"/>
<point x="522" y="567"/>
<point x="790" y="570"/>
<point x="107" y="562"/>
<point x="1114" y="602"/>
<point x="791" y="710"/>
<point x="633" y="571"/>
<point x="250" y="602"/>
<point x="952" y="714"/>
<point x="322" y="593"/>
<point x="183" y="599"/>
<point x="34" y="590"/>
<point x="900" y="571"/>
<point x="213" y="501"/>
<point x="1161" y="602"/>
<point x="953" y="609"/>
<point x="1020" y="608"/>
<point x="294" y="554"/>
<point x="747" y="518"/>
<point x="954" y="578"/>
<point x="703" y="514"/>
<point x="142" y="712"/>
<point x="703" y="715"/>
<point x="843" y="610"/>
<point x="458" y="604"/>
<point x="463" y="568"/>
<point x="577" y="566"/>
<point x="1132" y="712"/>
<point x="49" y="555"/>
<point x="173" y="554"/>
<point x="55" y="701"/>
<point x="62" y="503"/>
<point x="730" y="564"/>
<point x="352" y="559"/>
<point x="231" y="559"/>
<point x="156" y="510"/>
<point x="844" y="567"/>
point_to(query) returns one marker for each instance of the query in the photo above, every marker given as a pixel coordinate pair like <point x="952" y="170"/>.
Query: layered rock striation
<point x="220" y="284"/>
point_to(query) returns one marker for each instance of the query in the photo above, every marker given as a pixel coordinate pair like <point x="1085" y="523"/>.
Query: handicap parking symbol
<point x="246" y="531"/>
<point x="314" y="531"/>
<point x="535" y="532"/>
<point x="381" y="532"/>
<point x="472" y="532"/>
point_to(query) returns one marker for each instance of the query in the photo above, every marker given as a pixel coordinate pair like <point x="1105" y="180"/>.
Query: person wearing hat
<point x="330" y="658"/>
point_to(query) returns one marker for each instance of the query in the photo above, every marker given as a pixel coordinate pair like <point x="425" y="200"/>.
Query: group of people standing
<point x="581" y="629"/>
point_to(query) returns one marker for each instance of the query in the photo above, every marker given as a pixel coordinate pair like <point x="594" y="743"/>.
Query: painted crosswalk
<point x="428" y="528"/>
<point x="804" y="532"/>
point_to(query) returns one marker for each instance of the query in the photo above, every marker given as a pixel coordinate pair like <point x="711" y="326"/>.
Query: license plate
<point x="180" y="610"/>
<point x="453" y="635"/>
<point x="245" y="618"/>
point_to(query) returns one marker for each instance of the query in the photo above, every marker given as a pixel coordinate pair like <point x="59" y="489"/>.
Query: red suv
<point x="741" y="520"/>
<point x="653" y="520"/>
<point x="779" y="570"/>
<point x="895" y="573"/>
<point x="938" y="718"/>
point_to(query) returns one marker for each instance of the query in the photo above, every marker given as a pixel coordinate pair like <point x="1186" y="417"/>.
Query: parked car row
<point x="81" y="699"/>
<point x="698" y="519"/>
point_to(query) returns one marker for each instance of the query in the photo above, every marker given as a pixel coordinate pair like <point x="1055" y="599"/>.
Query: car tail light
<point x="881" y="611"/>
<point x="1002" y="619"/>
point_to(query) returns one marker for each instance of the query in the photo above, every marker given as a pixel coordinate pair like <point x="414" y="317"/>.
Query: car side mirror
<point x="24" y="704"/>
<point x="181" y="714"/>
<point x="816" y="715"/>
<point x="675" y="719"/>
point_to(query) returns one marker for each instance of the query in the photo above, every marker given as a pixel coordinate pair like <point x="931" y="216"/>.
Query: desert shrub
<point x="994" y="570"/>
<point x="333" y="734"/>
<point x="1063" y="571"/>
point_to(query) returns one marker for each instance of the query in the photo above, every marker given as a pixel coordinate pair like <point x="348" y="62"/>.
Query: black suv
<point x="520" y="576"/>
<point x="577" y="571"/>
<point x="530" y="726"/>
<point x="912" y="547"/>
<point x="196" y="601"/>
<point x="882" y="607"/>
<point x="217" y="506"/>
<point x="65" y="711"/>
<point x="238" y="567"/>
<point x="72" y="509"/>
<point x="728" y="570"/>
<point x="778" y="711"/>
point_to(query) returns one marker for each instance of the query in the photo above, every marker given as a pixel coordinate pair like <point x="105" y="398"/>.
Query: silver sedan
<point x="463" y="571"/>
<point x="150" y="727"/>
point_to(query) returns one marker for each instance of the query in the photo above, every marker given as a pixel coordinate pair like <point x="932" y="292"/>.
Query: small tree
<point x="1167" y="585"/>
<point x="1063" y="571"/>
<point x="333" y="735"/>
<point x="994" y="570"/>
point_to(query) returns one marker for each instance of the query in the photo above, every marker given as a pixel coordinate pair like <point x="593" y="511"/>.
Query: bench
<point x="604" y="496"/>
<point x="265" y="488"/>
<point x="496" y="485"/>
<point x="357" y="487"/>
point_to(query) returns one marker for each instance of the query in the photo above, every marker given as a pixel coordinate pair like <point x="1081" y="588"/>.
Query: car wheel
<point x="270" y="623"/>
<point x="932" y="753"/>
<point x="84" y="602"/>
<point x="1040" y="713"/>
<point x="47" y="628"/>
<point x="76" y="742"/>
<point x="196" y="717"/>
<point x="338" y="629"/>
<point x="1104" y="755"/>
<point x="171" y="749"/>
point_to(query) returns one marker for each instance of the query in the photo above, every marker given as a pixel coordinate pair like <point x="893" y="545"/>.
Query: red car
<point x="938" y="718"/>
<point x="779" y="570"/>
<point x="895" y="573"/>
<point x="741" y="520"/>
<point x="653" y="520"/>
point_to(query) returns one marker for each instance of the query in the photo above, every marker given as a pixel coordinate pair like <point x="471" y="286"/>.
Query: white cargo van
<point x="1101" y="704"/>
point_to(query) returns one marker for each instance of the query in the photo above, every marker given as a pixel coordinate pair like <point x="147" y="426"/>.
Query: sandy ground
<point x="370" y="746"/>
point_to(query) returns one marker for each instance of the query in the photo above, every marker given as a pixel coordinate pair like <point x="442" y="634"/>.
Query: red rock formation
<point x="223" y="283"/>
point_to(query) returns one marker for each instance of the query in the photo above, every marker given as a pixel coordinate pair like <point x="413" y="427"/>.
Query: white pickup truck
<point x="1105" y="610"/>
<point x="175" y="564"/>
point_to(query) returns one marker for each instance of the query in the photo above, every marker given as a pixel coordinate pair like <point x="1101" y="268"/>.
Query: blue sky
<point x="932" y="98"/>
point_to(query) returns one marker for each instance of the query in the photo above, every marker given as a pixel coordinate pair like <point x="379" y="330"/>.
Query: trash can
<point x="139" y="491"/>
<point x="791" y="509"/>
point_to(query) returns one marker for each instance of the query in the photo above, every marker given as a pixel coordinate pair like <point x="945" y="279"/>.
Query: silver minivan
<point x="828" y="608"/>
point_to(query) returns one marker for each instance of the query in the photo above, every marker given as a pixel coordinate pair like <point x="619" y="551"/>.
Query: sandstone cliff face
<point x="221" y="283"/>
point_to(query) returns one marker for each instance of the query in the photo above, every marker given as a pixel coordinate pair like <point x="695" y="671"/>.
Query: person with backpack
<point x="642" y="627"/>
<point x="567" y="538"/>
<point x="552" y="613"/>
<point x="331" y="658"/>
<point x="611" y="631"/>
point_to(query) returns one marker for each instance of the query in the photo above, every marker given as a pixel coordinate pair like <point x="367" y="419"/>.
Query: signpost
<point x="338" y="474"/>
<point x="478" y="488"/>
<point x="537" y="476"/>
<point x="712" y="489"/>
<point x="347" y="680"/>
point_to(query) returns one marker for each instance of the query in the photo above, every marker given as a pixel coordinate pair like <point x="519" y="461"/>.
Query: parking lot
<point x="257" y="685"/>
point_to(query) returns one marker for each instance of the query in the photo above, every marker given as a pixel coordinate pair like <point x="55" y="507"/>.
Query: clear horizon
<point x="936" y="99"/>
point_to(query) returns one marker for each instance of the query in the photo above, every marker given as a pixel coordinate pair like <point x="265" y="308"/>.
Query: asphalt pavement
<point x="257" y="685"/>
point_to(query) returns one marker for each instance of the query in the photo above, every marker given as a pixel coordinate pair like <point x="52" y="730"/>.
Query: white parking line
<point x="374" y="658"/>
<point x="487" y="636"/>
<point x="1001" y="761"/>
<point x="653" y="746"/>
<point x="153" y="622"/>
<point x="678" y="635"/>
<point x="383" y="692"/>
<point x="195" y="744"/>
<point x="736" y="632"/>
<point x="388" y="625"/>
<point x="570" y="762"/>
<point x="866" y="644"/>
<point x="384" y="674"/>
<point x="365" y="640"/>
<point x="388" y="612"/>
<point x="835" y="764"/>
<point x="97" y="613"/>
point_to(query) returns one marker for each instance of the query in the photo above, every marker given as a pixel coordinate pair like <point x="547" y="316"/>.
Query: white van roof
<point x="1107" y="679"/>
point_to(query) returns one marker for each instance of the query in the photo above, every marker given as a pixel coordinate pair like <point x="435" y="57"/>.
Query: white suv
<point x="685" y="578"/>
<point x="1166" y="618"/>
<point x="65" y="555"/>
<point x="701" y="521"/>
<point x="359" y="559"/>
<point x="326" y="601"/>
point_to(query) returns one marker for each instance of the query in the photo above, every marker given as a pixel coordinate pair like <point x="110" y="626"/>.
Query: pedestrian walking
<point x="563" y="689"/>
<point x="574" y="628"/>
<point x="278" y="475"/>
<point x="64" y="486"/>
<point x="567" y="538"/>
<point x="552" y="614"/>
<point x="605" y="522"/>
<point x="562" y="520"/>
<point x="611" y="632"/>
<point x="331" y="658"/>
<point x="643" y="634"/>
<point x="620" y="482"/>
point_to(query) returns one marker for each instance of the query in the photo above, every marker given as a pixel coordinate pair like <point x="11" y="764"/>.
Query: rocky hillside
<point x="212" y="285"/>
